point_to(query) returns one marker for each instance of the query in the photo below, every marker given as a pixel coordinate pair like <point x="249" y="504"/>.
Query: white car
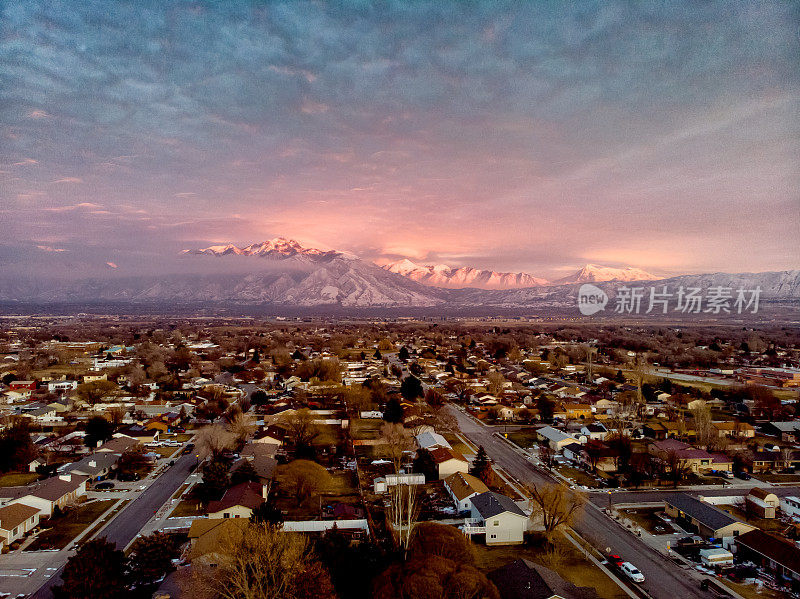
<point x="631" y="572"/>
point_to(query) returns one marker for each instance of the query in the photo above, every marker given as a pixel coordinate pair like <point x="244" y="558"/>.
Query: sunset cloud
<point x="511" y="136"/>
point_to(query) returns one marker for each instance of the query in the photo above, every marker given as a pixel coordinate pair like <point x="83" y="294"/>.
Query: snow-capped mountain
<point x="441" y="275"/>
<point x="280" y="247"/>
<point x="592" y="273"/>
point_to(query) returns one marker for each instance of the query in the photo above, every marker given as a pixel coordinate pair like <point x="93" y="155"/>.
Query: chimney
<point x="92" y="463"/>
<point x="65" y="477"/>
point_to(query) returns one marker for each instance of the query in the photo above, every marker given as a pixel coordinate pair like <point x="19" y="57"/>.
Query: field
<point x="63" y="529"/>
<point x="17" y="479"/>
<point x="579" y="477"/>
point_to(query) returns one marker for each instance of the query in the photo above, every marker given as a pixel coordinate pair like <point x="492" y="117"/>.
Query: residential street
<point x="127" y="524"/>
<point x="663" y="579"/>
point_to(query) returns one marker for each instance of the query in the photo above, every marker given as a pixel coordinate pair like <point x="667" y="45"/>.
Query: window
<point x="493" y="536"/>
<point x="226" y="515"/>
<point x="496" y="523"/>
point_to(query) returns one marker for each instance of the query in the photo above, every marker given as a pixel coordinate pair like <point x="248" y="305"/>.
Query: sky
<point x="507" y="135"/>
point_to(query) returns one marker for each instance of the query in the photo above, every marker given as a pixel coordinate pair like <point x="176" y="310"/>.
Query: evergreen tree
<point x="96" y="571"/>
<point x="411" y="388"/>
<point x="393" y="411"/>
<point x="403" y="354"/>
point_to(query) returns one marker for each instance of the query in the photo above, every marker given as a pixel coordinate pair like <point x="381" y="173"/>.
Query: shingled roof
<point x="15" y="514"/>
<point x="244" y="494"/>
<point x="463" y="485"/>
<point x="491" y="504"/>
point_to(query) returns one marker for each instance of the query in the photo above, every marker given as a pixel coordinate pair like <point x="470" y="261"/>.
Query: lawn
<point x="647" y="519"/>
<point x="765" y="524"/>
<point x="779" y="478"/>
<point x="571" y="565"/>
<point x="365" y="428"/>
<point x="524" y="438"/>
<point x="749" y="591"/>
<point x="187" y="507"/>
<point x="328" y="434"/>
<point x="66" y="527"/>
<point x="165" y="452"/>
<point x="459" y="445"/>
<point x="17" y="479"/>
<point x="579" y="477"/>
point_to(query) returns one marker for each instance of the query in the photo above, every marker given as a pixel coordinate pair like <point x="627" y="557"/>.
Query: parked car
<point x="690" y="540"/>
<point x="615" y="560"/>
<point x="631" y="572"/>
<point x="103" y="486"/>
<point x="743" y="475"/>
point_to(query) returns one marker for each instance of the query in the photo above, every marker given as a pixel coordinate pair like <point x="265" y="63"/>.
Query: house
<point x="777" y="556"/>
<point x="16" y="520"/>
<point x="272" y="435"/>
<point x="462" y="488"/>
<point x="95" y="466"/>
<point x="761" y="503"/>
<point x="429" y="440"/>
<point x="655" y="430"/>
<point x="555" y="438"/>
<point x="576" y="411"/>
<point x="264" y="467"/>
<point x="61" y="386"/>
<point x="138" y="432"/>
<point x="238" y="502"/>
<point x="787" y="431"/>
<point x="735" y="430"/>
<point x="448" y="461"/>
<point x="595" y="430"/>
<point x="790" y="506"/>
<point x="58" y="491"/>
<point x="207" y="536"/>
<point x="695" y="515"/>
<point x="522" y="579"/>
<point x="22" y="385"/>
<point x="697" y="460"/>
<point x="496" y="515"/>
<point x="118" y="445"/>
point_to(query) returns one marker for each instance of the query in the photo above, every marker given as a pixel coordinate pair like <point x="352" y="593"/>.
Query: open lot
<point x="62" y="529"/>
<point x="647" y="519"/>
<point x="524" y="438"/>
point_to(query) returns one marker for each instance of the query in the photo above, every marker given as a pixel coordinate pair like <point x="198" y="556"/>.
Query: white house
<point x="61" y="386"/>
<point x="58" y="491"/>
<point x="462" y="488"/>
<point x="15" y="521"/>
<point x="448" y="461"/>
<point x="791" y="506"/>
<point x="555" y="438"/>
<point x="594" y="431"/>
<point x="496" y="515"/>
<point x="429" y="440"/>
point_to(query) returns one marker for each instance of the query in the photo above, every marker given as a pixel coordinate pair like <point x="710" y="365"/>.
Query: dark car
<point x="615" y="560"/>
<point x="743" y="475"/>
<point x="104" y="486"/>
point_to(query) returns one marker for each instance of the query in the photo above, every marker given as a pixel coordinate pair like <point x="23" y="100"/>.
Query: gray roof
<point x="491" y="504"/>
<point x="522" y="579"/>
<point x="701" y="511"/>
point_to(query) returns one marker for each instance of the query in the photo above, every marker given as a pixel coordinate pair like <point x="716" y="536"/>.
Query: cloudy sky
<point x="519" y="136"/>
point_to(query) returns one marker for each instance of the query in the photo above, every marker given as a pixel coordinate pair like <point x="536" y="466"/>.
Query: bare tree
<point x="305" y="478"/>
<point x="403" y="511"/>
<point x="260" y="561"/>
<point x="300" y="425"/>
<point x="704" y="429"/>
<point x="396" y="441"/>
<point x="554" y="506"/>
<point x="241" y="426"/>
<point x="496" y="381"/>
<point x="213" y="440"/>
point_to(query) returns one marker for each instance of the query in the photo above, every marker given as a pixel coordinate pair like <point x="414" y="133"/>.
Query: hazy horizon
<point x="519" y="138"/>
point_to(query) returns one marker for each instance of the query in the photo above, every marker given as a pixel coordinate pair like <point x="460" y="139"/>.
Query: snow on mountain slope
<point x="592" y="273"/>
<point x="441" y="275"/>
<point x="280" y="247"/>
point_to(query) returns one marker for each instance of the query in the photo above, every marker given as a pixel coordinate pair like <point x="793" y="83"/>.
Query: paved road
<point x="127" y="524"/>
<point x="663" y="579"/>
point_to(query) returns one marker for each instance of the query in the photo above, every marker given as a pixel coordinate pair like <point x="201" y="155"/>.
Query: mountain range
<point x="282" y="272"/>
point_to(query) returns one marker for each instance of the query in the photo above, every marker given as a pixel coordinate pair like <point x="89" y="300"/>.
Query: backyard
<point x="567" y="560"/>
<point x="64" y="528"/>
<point x="17" y="479"/>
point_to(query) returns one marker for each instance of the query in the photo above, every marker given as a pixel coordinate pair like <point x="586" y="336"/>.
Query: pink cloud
<point x="111" y="265"/>
<point x="69" y="180"/>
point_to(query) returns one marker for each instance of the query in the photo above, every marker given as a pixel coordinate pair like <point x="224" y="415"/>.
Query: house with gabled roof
<point x="448" y="461"/>
<point x="16" y="520"/>
<point x="238" y="502"/>
<point x="498" y="517"/>
<point x="522" y="579"/>
<point x="462" y="488"/>
<point x="698" y="516"/>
